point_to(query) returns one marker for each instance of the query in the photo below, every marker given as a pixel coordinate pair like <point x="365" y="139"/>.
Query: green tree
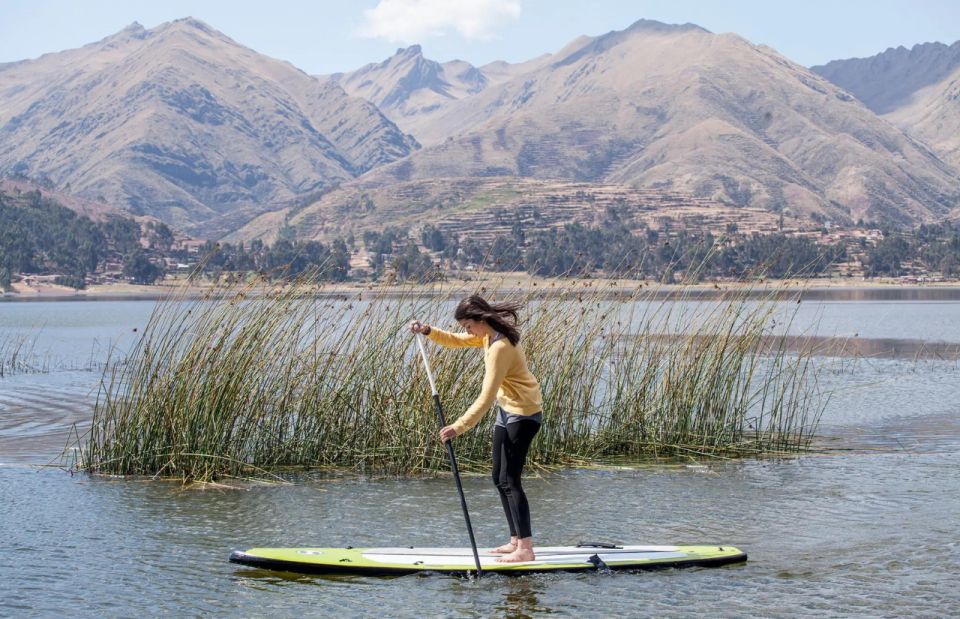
<point x="122" y="234"/>
<point x="432" y="238"/>
<point x="886" y="258"/>
<point x="72" y="281"/>
<point x="159" y="236"/>
<point x="287" y="233"/>
<point x="140" y="269"/>
<point x="948" y="265"/>
<point x="339" y="267"/>
<point x="505" y="255"/>
<point x="412" y="264"/>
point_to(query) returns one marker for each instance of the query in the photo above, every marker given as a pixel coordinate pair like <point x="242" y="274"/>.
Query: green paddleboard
<point x="407" y="560"/>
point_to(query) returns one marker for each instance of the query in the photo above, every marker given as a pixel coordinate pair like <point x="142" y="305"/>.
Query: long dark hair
<point x="501" y="316"/>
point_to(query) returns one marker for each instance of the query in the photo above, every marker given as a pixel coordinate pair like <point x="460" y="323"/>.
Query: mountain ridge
<point x="917" y="89"/>
<point x="689" y="110"/>
<point x="888" y="80"/>
<point x="181" y="122"/>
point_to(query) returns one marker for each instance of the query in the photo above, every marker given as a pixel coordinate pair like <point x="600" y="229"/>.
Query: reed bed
<point x="255" y="378"/>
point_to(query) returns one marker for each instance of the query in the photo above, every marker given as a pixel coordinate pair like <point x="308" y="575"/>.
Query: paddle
<point x="453" y="458"/>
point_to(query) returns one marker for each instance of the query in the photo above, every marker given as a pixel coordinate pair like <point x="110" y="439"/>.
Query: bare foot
<point x="505" y="549"/>
<point x="517" y="556"/>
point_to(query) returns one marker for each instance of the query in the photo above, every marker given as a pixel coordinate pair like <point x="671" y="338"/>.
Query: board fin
<point x="598" y="563"/>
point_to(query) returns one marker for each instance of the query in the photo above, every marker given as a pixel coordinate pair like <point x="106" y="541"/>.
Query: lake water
<point x="868" y="527"/>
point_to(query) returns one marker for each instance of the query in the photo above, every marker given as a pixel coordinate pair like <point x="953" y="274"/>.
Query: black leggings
<point x="510" y="445"/>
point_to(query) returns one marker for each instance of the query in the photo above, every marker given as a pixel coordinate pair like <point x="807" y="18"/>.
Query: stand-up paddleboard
<point x="584" y="557"/>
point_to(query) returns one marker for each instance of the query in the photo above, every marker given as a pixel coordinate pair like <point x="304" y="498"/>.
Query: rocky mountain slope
<point x="680" y="108"/>
<point x="889" y="80"/>
<point x="934" y="117"/>
<point x="916" y="89"/>
<point x="184" y="123"/>
<point x="411" y="89"/>
<point x="483" y="208"/>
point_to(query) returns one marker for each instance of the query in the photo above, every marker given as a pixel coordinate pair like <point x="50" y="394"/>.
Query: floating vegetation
<point x="256" y="377"/>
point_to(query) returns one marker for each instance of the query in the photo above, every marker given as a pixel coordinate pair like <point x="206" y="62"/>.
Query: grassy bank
<point x="252" y="378"/>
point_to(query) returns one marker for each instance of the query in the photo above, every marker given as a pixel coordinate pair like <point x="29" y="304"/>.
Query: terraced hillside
<point x="489" y="207"/>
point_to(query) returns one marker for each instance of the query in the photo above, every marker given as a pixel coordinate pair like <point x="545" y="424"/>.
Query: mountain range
<point x="185" y="124"/>
<point x="679" y="108"/>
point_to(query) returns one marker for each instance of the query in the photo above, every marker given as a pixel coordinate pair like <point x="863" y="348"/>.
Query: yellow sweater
<point x="505" y="377"/>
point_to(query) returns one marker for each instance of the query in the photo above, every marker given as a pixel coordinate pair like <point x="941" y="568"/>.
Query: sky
<point x="327" y="36"/>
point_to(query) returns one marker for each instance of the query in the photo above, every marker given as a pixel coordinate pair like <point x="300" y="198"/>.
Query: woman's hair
<point x="501" y="316"/>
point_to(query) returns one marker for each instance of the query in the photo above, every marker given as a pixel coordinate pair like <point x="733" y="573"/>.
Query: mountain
<point x="407" y="83"/>
<point x="411" y="89"/>
<point x="184" y="123"/>
<point x="917" y="89"/>
<point x="679" y="108"/>
<point x="889" y="80"/>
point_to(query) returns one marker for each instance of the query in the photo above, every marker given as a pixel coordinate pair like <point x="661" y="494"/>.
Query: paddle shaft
<point x="453" y="458"/>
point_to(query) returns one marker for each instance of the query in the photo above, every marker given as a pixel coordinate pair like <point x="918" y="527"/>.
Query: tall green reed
<point x="257" y="377"/>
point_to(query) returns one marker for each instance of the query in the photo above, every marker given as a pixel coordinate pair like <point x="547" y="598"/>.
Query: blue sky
<point x="325" y="36"/>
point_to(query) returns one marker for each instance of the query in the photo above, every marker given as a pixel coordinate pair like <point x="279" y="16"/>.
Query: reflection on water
<point x="800" y="293"/>
<point x="924" y="434"/>
<point x="867" y="529"/>
<point x="41" y="414"/>
<point x="847" y="347"/>
<point x="521" y="599"/>
<point x="900" y="293"/>
<point x="887" y="348"/>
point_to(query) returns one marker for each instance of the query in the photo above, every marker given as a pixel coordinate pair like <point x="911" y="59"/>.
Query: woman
<point x="519" y="406"/>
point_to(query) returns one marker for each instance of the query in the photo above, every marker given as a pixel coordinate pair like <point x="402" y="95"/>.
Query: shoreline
<point x="809" y="288"/>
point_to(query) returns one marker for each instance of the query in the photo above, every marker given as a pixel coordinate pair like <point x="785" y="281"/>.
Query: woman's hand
<point x="419" y="327"/>
<point x="447" y="433"/>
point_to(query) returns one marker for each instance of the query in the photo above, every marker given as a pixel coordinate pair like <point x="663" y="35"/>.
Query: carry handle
<point x="607" y="545"/>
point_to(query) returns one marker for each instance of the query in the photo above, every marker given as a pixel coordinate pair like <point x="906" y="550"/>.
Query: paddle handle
<point x="453" y="458"/>
<point x="426" y="364"/>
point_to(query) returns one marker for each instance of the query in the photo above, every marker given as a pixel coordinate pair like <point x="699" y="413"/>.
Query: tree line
<point x="41" y="236"/>
<point x="287" y="258"/>
<point x="612" y="249"/>
<point x="927" y="248"/>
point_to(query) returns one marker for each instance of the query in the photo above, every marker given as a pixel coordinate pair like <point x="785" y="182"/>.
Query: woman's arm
<point x="495" y="369"/>
<point x="445" y="338"/>
<point x="453" y="340"/>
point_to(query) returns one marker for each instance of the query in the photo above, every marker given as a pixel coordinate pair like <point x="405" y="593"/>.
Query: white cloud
<point x="412" y="21"/>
